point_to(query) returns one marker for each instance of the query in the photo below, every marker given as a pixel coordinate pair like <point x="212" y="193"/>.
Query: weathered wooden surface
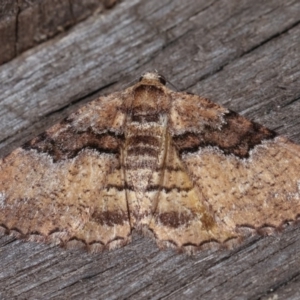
<point x="241" y="54"/>
<point x="24" y="24"/>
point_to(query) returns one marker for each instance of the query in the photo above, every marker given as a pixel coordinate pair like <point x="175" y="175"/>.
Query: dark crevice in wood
<point x="276" y="287"/>
<point x="47" y="23"/>
<point x="77" y="100"/>
<point x="270" y="38"/>
<point x="71" y="12"/>
<point x="290" y="102"/>
<point x="262" y="43"/>
<point x="17" y="29"/>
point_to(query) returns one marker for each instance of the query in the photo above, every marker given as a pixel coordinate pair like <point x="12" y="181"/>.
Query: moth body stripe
<point x="142" y="151"/>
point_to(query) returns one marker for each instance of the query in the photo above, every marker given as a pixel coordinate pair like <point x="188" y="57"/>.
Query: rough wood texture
<point x="241" y="54"/>
<point x="24" y="24"/>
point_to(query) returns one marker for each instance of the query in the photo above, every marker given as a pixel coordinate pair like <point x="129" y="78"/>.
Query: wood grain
<point x="25" y="24"/>
<point x="241" y="54"/>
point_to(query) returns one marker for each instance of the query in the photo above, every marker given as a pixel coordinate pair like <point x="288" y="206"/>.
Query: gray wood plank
<point x="241" y="54"/>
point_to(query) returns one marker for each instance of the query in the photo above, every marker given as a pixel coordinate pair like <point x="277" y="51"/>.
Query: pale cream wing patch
<point x="182" y="217"/>
<point x="260" y="191"/>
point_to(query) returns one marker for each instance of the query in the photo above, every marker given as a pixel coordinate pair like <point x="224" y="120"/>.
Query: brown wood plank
<point x="25" y="24"/>
<point x="241" y="54"/>
<point x="8" y="11"/>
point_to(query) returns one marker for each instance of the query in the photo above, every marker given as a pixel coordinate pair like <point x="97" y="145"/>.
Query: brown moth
<point x="178" y="166"/>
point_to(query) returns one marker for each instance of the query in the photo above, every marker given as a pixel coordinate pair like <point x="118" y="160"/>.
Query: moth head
<point x="153" y="76"/>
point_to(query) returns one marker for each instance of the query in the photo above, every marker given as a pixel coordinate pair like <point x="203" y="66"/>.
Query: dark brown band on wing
<point x="144" y="140"/>
<point x="174" y="219"/>
<point x="143" y="151"/>
<point x="166" y="189"/>
<point x="145" y="118"/>
<point x="120" y="188"/>
<point x="150" y="188"/>
<point x="237" y="136"/>
<point x="109" y="218"/>
<point x="68" y="143"/>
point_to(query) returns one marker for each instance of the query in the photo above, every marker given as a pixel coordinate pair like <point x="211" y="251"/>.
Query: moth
<point x="173" y="165"/>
